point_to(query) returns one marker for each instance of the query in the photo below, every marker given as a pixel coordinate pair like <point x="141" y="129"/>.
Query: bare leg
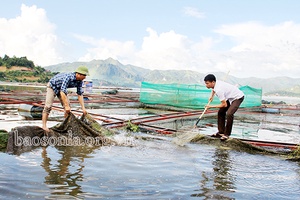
<point x="47" y="108"/>
<point x="44" y="119"/>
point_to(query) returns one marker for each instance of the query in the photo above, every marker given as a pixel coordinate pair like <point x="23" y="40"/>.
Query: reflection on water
<point x="223" y="179"/>
<point x="16" y="87"/>
<point x="217" y="184"/>
<point x="154" y="169"/>
<point x="65" y="172"/>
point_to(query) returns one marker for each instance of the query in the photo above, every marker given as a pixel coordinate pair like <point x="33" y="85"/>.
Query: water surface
<point x="152" y="169"/>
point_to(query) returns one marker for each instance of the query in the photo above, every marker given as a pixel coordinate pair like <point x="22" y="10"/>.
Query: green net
<point x="190" y="96"/>
<point x="253" y="96"/>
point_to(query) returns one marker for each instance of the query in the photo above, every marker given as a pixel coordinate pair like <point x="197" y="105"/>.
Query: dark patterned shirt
<point x="62" y="81"/>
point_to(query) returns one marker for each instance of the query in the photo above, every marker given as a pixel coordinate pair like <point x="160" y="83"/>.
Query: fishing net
<point x="234" y="144"/>
<point x="85" y="131"/>
<point x="295" y="155"/>
<point x="72" y="131"/>
<point x="3" y="139"/>
<point x="239" y="145"/>
<point x="190" y="96"/>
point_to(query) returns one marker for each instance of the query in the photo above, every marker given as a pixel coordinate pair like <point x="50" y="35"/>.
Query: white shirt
<point x="226" y="91"/>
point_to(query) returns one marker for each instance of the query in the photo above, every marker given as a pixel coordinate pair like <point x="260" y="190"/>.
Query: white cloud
<point x="170" y="50"/>
<point x="104" y="49"/>
<point x="263" y="50"/>
<point x="165" y="51"/>
<point x="246" y="49"/>
<point x="193" y="12"/>
<point x="255" y="50"/>
<point x="31" y="35"/>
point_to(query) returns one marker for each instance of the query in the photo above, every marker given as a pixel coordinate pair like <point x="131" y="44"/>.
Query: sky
<point x="249" y="38"/>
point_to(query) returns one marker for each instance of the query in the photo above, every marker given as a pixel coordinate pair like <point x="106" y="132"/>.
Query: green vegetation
<point x="24" y="71"/>
<point x="132" y="127"/>
<point x="14" y="61"/>
<point x="3" y="139"/>
<point x="295" y="155"/>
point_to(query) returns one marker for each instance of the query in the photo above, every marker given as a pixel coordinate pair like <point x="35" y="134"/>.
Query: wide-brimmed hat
<point x="82" y="70"/>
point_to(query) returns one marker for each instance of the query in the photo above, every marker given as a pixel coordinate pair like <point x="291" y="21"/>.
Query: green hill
<point x="111" y="72"/>
<point x="22" y="70"/>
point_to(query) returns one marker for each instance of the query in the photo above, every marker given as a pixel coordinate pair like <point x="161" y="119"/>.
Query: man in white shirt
<point x="231" y="98"/>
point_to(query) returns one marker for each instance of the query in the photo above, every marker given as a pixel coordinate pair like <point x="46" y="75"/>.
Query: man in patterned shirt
<point x="58" y="85"/>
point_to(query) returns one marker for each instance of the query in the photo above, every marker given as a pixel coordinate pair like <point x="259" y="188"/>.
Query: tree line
<point x="14" y="61"/>
<point x="20" y="76"/>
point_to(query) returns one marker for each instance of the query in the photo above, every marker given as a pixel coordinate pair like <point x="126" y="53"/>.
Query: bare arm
<point x="211" y="96"/>
<point x="221" y="105"/>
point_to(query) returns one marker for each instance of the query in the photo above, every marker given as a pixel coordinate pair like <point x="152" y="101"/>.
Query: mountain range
<point x="111" y="72"/>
